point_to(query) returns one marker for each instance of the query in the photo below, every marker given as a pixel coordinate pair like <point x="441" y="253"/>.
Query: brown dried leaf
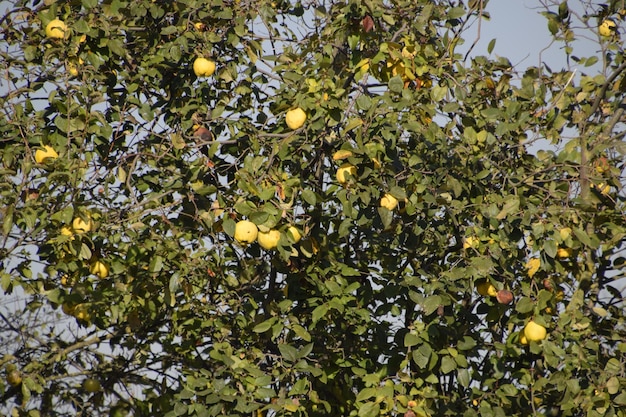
<point x="368" y="23"/>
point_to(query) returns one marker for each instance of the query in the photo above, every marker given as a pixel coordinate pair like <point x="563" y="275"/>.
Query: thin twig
<point x="480" y="19"/>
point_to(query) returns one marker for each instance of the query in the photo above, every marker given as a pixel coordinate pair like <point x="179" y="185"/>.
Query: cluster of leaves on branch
<point x="123" y="177"/>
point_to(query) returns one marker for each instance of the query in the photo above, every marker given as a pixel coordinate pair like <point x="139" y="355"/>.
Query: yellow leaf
<point x="533" y="266"/>
<point x="342" y="154"/>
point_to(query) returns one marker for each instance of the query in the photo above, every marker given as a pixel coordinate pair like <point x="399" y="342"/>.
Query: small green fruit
<point x="91" y="385"/>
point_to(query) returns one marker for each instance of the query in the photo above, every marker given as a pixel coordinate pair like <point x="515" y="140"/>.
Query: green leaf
<point x="81" y="26"/>
<point x="309" y="196"/>
<point x="492" y="114"/>
<point x="301" y="332"/>
<point x="511" y="206"/>
<point x="177" y="141"/>
<point x="156" y="264"/>
<point x="613" y="385"/>
<point x="62" y="124"/>
<point x="229" y="226"/>
<point x="591" y="61"/>
<point x="26" y="392"/>
<point x="319" y="312"/>
<point x="438" y="93"/>
<point x="398" y="192"/>
<point x="353" y="124"/>
<point x="5" y="281"/>
<point x="89" y="4"/>
<point x="456" y="12"/>
<point x="585" y="238"/>
<point x="301" y="387"/>
<point x="369" y="409"/>
<point x="264" y="326"/>
<point x="386" y="217"/>
<point x="367" y="393"/>
<point x="613" y="366"/>
<point x="7" y="222"/>
<point x="411" y="339"/>
<point x="54" y="296"/>
<point x="466" y="343"/>
<point x="117" y="47"/>
<point x="524" y="305"/>
<point x="553" y="26"/>
<point x="180" y="409"/>
<point x="422" y="356"/>
<point x="363" y="102"/>
<point x="550" y="248"/>
<point x="85" y="252"/>
<point x="259" y="217"/>
<point x="448" y="364"/>
<point x="288" y="352"/>
<point x="431" y="304"/>
<point x="464" y="377"/>
<point x="620" y="400"/>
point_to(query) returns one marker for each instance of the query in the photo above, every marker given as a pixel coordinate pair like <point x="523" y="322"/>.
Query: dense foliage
<point x="124" y="174"/>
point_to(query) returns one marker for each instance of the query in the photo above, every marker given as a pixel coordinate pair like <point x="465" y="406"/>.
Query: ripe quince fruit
<point x="504" y="297"/>
<point x="564" y="253"/>
<point x="56" y="29"/>
<point x="295" y="233"/>
<point x="522" y="338"/>
<point x="81" y="312"/>
<point x="80" y="226"/>
<point x="607" y="28"/>
<point x="203" y="67"/>
<point x="246" y="232"/>
<point x="534" y="332"/>
<point x="344" y="171"/>
<point x="14" y="378"/>
<point x="389" y="202"/>
<point x="268" y="240"/>
<point x="99" y="268"/>
<point x="46" y="152"/>
<point x="486" y="288"/>
<point x="295" y="118"/>
<point x="68" y="309"/>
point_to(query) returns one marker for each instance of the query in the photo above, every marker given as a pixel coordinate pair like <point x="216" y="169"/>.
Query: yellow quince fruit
<point x="344" y="172"/>
<point x="203" y="67"/>
<point x="607" y="28"/>
<point x="246" y="232"/>
<point x="99" y="268"/>
<point x="80" y="225"/>
<point x="41" y="155"/>
<point x="295" y="233"/>
<point x="534" y="332"/>
<point x="389" y="202"/>
<point x="295" y="118"/>
<point x="56" y="29"/>
<point x="486" y="289"/>
<point x="268" y="240"/>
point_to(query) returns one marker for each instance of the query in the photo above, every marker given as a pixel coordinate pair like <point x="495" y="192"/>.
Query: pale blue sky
<point x="522" y="33"/>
